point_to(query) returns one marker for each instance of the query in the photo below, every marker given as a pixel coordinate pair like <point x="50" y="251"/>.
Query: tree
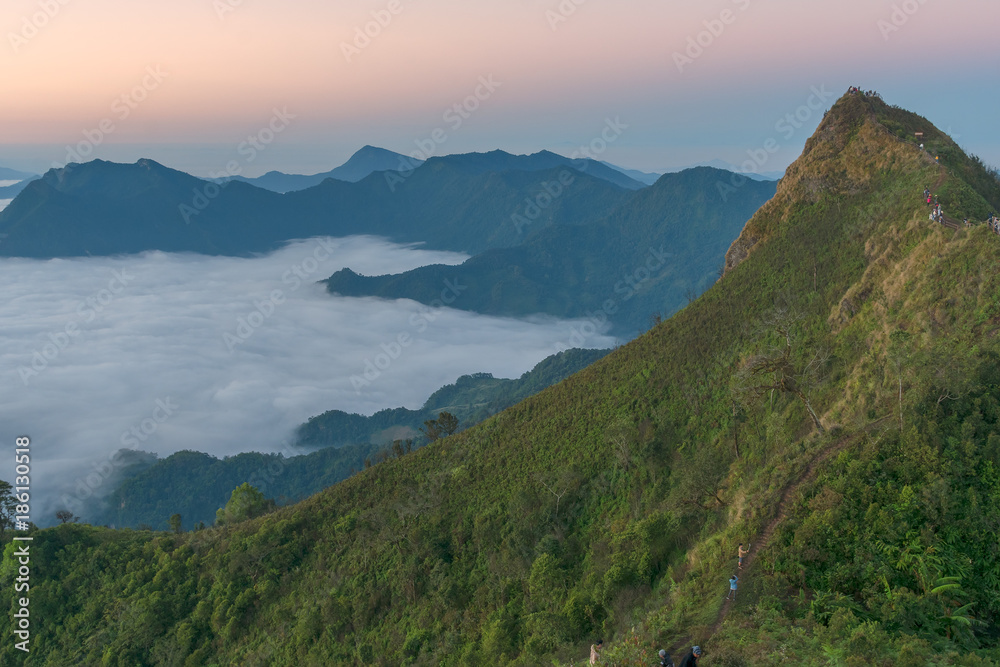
<point x="65" y="516"/>
<point x="175" y="523"/>
<point x="778" y="369"/>
<point x="620" y="435"/>
<point x="445" y="424"/>
<point x="246" y="502"/>
<point x="8" y="504"/>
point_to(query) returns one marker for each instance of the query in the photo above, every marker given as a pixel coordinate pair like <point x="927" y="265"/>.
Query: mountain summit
<point x="366" y="161"/>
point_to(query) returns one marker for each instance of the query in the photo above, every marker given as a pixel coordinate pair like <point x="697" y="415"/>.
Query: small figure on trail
<point x="595" y="649"/>
<point x="928" y="200"/>
<point x="733" y="580"/>
<point x="921" y="147"/>
<point x="741" y="553"/>
<point x="691" y="659"/>
<point x="665" y="660"/>
<point x="966" y="222"/>
<point x="936" y="158"/>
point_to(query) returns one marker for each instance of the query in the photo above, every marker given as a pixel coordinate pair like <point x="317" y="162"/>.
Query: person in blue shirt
<point x="733" y="580"/>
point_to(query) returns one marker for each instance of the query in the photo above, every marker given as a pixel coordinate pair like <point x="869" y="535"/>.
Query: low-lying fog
<point x="162" y="352"/>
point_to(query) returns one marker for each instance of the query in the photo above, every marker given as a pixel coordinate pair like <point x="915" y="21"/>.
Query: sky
<point x="162" y="352"/>
<point x="186" y="82"/>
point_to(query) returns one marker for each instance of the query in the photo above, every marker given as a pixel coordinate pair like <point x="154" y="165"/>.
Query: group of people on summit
<point x="937" y="213"/>
<point x="692" y="657"/>
<point x="856" y="90"/>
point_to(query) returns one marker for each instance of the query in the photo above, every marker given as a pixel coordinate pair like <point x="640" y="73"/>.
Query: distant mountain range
<point x="451" y="203"/>
<point x="635" y="174"/>
<point x="370" y="160"/>
<point x="14" y="175"/>
<point x="728" y="166"/>
<point x="365" y="162"/>
<point x="549" y="235"/>
<point x="656" y="250"/>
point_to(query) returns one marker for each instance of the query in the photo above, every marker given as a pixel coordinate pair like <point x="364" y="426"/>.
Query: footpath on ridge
<point x="762" y="541"/>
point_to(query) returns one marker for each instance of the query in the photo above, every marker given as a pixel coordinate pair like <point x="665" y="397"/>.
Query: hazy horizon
<point x="693" y="81"/>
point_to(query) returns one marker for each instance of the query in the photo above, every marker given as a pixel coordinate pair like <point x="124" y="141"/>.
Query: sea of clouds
<point x="162" y="352"/>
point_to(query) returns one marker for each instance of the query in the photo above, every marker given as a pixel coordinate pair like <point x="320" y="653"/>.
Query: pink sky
<point x="224" y="72"/>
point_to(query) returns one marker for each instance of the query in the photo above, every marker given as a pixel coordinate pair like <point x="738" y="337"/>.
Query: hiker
<point x="595" y="649"/>
<point x="733" y="580"/>
<point x="741" y="553"/>
<point x="928" y="200"/>
<point x="665" y="660"/>
<point x="691" y="659"/>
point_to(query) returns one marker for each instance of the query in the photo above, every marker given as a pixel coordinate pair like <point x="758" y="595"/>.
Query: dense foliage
<point x="615" y="499"/>
<point x="195" y="485"/>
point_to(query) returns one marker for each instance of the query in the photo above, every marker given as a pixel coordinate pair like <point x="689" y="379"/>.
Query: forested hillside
<point x="834" y="400"/>
<point x="195" y="485"/>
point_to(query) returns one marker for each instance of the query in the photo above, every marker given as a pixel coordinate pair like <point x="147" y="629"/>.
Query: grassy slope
<point x="616" y="498"/>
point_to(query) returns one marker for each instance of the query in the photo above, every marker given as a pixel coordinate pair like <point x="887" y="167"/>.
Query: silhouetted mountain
<point x="104" y="208"/>
<point x="11" y="191"/>
<point x="641" y="176"/>
<point x="14" y="175"/>
<point x="657" y="250"/>
<point x="728" y="166"/>
<point x="540" y="161"/>
<point x="366" y="161"/>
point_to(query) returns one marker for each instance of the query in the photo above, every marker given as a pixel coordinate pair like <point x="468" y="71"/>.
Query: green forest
<point x="195" y="485"/>
<point x="833" y="401"/>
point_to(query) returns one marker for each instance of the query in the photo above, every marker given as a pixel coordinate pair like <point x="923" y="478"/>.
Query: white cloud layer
<point x="149" y="351"/>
